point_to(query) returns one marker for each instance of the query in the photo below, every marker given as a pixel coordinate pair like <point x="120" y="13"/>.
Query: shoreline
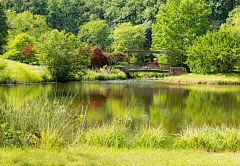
<point x="211" y="79"/>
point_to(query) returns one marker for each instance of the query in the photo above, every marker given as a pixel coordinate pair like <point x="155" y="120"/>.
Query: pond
<point x="173" y="106"/>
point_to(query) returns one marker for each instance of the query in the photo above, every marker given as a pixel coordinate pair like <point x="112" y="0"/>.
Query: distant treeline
<point x="68" y="15"/>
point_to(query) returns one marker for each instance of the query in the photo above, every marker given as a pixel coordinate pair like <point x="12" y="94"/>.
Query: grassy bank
<point x="90" y="155"/>
<point x="15" y="72"/>
<point x="230" y="79"/>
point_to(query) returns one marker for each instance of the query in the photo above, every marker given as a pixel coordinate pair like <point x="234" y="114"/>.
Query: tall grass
<point x="38" y="122"/>
<point x="210" y="138"/>
<point x="49" y="123"/>
<point x="114" y="74"/>
<point x="148" y="75"/>
<point x="118" y="133"/>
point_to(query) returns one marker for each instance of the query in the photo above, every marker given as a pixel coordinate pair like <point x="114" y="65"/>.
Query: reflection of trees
<point x="173" y="106"/>
<point x="96" y="101"/>
<point x="179" y="107"/>
<point x="20" y="93"/>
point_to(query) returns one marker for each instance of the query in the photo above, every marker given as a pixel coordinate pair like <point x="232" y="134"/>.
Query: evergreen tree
<point x="3" y="28"/>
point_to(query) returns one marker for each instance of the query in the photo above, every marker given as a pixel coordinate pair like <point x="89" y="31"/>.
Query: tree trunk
<point x="182" y="55"/>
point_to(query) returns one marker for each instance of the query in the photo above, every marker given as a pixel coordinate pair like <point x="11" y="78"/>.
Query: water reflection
<point x="170" y="105"/>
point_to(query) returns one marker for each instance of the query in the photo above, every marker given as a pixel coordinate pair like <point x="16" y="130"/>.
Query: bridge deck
<point x="154" y="71"/>
<point x="147" y="67"/>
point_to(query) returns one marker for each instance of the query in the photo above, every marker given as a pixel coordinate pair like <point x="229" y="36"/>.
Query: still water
<point x="173" y="106"/>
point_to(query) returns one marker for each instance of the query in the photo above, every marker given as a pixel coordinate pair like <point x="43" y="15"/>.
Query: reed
<point x="209" y="138"/>
<point x="53" y="123"/>
<point x="39" y="122"/>
<point x="118" y="134"/>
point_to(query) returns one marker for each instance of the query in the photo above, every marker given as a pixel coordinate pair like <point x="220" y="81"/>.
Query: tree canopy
<point x="60" y="53"/>
<point x="26" y="22"/>
<point x="15" y="46"/>
<point x="216" y="52"/>
<point x="179" y="22"/>
<point x="132" y="37"/>
<point x="3" y="28"/>
<point x="95" y="33"/>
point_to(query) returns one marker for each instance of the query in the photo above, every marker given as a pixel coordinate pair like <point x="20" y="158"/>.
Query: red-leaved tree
<point x="98" y="58"/>
<point x="27" y="51"/>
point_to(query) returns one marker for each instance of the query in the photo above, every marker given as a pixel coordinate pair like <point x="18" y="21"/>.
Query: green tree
<point x="60" y="52"/>
<point x="95" y="33"/>
<point x="66" y="15"/>
<point x="215" y="52"/>
<point x="132" y="37"/>
<point x="3" y="28"/>
<point x="220" y="10"/>
<point x="26" y="22"/>
<point x="15" y="46"/>
<point x="179" y="22"/>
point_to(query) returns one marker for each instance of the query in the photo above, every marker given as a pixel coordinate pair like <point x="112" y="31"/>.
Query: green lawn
<point x="231" y="78"/>
<point x="88" y="155"/>
<point x="12" y="63"/>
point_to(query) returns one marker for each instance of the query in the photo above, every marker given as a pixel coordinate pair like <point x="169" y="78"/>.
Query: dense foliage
<point x="116" y="57"/>
<point x="112" y="26"/>
<point x="132" y="37"/>
<point x="95" y="33"/>
<point x="179" y="23"/>
<point x="215" y="52"/>
<point x="60" y="52"/>
<point x="26" y="22"/>
<point x="3" y="28"/>
<point x="98" y="58"/>
<point x="27" y="51"/>
<point x="15" y="46"/>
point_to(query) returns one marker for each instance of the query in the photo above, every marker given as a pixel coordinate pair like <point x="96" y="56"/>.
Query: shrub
<point x="149" y="75"/>
<point x="3" y="64"/>
<point x="117" y="56"/>
<point x="98" y="58"/>
<point x="113" y="75"/>
<point x="215" y="52"/>
<point x="63" y="54"/>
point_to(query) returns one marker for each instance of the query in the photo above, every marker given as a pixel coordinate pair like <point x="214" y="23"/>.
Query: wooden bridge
<point x="148" y="67"/>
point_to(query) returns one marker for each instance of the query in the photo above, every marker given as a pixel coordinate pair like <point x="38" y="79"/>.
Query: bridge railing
<point x="148" y="66"/>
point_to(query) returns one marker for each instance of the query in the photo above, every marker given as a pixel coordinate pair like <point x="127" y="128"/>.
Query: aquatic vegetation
<point x="148" y="75"/>
<point x="38" y="122"/>
<point x="118" y="133"/>
<point x="209" y="138"/>
<point x="112" y="75"/>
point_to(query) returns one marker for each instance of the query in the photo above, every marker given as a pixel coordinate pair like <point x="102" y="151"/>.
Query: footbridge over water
<point x="147" y="67"/>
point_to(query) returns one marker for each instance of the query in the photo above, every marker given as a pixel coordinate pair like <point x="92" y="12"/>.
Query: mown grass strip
<point x="90" y="155"/>
<point x="230" y="78"/>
